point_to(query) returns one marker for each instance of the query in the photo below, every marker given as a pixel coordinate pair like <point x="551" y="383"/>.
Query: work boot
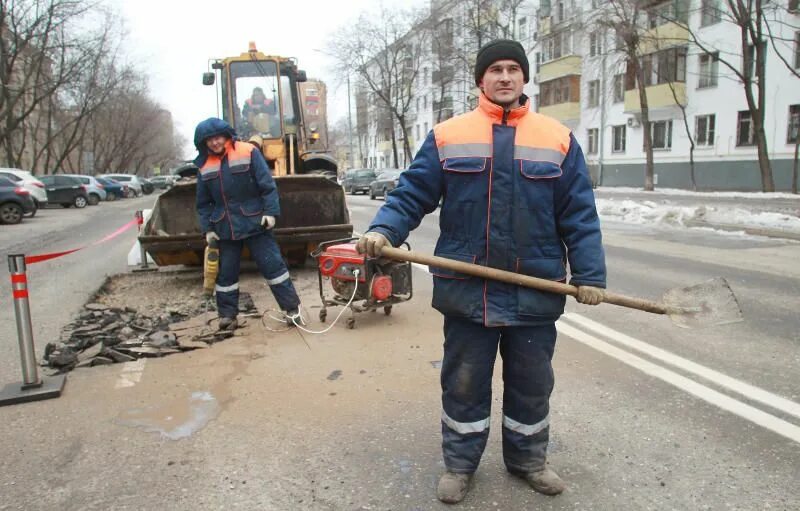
<point x="294" y="318"/>
<point x="228" y="323"/>
<point x="453" y="487"/>
<point x="545" y="481"/>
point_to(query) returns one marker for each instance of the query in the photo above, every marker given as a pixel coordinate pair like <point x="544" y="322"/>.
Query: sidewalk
<point x="762" y="214"/>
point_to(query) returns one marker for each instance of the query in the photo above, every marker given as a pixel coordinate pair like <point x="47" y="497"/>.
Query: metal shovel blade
<point x="706" y="304"/>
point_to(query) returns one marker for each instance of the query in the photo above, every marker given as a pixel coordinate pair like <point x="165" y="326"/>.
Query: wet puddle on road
<point x="178" y="419"/>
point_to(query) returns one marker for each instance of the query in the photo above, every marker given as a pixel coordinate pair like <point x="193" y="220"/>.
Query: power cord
<point x="356" y="273"/>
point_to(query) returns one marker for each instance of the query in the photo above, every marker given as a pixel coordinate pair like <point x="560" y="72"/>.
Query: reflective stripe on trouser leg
<point x="528" y="380"/>
<point x="265" y="252"/>
<point x="227" y="287"/>
<point x="470" y="350"/>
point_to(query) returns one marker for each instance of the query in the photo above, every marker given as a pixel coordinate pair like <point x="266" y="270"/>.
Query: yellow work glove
<point x="590" y="295"/>
<point x="371" y="244"/>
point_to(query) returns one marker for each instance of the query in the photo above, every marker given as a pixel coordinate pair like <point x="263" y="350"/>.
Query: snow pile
<point x="651" y="213"/>
<point x="627" y="190"/>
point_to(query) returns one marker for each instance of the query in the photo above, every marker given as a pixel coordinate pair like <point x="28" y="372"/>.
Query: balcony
<point x="664" y="36"/>
<point x="564" y="66"/>
<point x="658" y="96"/>
<point x="562" y="111"/>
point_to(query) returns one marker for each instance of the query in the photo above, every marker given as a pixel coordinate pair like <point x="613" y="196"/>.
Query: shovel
<point x="706" y="304"/>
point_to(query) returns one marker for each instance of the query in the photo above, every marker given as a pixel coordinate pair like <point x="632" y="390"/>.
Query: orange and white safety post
<point x="32" y="387"/>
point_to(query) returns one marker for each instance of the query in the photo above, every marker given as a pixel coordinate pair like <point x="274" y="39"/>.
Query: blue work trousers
<point x="265" y="252"/>
<point x="470" y="350"/>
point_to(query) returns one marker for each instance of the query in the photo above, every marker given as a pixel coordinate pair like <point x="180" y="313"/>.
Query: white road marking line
<point x="749" y="391"/>
<point x="131" y="374"/>
<point x="745" y="411"/>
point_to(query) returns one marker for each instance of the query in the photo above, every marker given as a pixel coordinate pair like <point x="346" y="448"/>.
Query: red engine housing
<point x="339" y="261"/>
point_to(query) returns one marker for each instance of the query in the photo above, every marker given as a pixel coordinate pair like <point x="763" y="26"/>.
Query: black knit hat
<point x="500" y="49"/>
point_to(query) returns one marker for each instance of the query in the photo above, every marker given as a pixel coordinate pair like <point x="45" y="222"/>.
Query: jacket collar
<point x="495" y="111"/>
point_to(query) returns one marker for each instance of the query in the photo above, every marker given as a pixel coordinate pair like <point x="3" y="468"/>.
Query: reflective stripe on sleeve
<point x="277" y="280"/>
<point x="226" y="289"/>
<point x="465" y="427"/>
<point x="525" y="429"/>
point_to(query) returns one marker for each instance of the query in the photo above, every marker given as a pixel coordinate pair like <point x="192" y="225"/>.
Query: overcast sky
<point x="172" y="41"/>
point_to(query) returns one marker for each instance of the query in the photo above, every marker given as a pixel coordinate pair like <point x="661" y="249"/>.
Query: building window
<point x="745" y="135"/>
<point x="522" y="32"/>
<point x="418" y="136"/>
<point x="661" y="134"/>
<point x="709" y="70"/>
<point x="749" y="60"/>
<point x="535" y="102"/>
<point x="793" y="133"/>
<point x="669" y="11"/>
<point x="426" y="129"/>
<point x="711" y="12"/>
<point x="538" y="60"/>
<point x="666" y="66"/>
<point x="619" y="88"/>
<point x="425" y="77"/>
<point x="794" y="5"/>
<point x="418" y="100"/>
<point x="618" y="144"/>
<point x="592" y="135"/>
<point x="594" y="93"/>
<point x="561" y="90"/>
<point x="595" y="44"/>
<point x="425" y="101"/>
<point x="797" y="49"/>
<point x="704" y="130"/>
<point x="557" y="46"/>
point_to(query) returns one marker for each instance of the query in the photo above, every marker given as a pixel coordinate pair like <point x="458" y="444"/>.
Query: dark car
<point x="114" y="189"/>
<point x="384" y="183"/>
<point x="358" y="180"/>
<point x="15" y="202"/>
<point x="147" y="186"/>
<point x="65" y="190"/>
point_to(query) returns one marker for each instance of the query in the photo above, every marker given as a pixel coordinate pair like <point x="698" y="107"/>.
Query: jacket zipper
<point x="505" y="117"/>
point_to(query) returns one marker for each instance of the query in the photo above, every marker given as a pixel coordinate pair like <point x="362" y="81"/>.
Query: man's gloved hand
<point x="211" y="236"/>
<point x="590" y="295"/>
<point x="372" y="243"/>
<point x="267" y="221"/>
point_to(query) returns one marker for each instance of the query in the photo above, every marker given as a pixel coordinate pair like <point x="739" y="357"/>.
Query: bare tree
<point x="385" y="51"/>
<point x="626" y="19"/>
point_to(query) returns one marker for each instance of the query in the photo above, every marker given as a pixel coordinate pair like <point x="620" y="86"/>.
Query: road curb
<point x="756" y="231"/>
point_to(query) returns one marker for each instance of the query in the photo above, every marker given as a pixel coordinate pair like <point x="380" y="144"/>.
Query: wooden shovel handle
<point x="515" y="278"/>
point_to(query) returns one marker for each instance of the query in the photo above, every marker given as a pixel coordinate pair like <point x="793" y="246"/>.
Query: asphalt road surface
<point x="645" y="415"/>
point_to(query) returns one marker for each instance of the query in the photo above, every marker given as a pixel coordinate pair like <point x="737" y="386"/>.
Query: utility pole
<point x="349" y="125"/>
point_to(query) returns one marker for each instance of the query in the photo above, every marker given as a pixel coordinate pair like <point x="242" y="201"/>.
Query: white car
<point x="29" y="182"/>
<point x="134" y="185"/>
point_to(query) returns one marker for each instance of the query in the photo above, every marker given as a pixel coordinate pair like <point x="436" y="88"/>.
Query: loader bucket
<point x="313" y="210"/>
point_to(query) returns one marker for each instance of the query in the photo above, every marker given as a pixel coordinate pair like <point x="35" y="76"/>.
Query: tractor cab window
<point x="289" y="115"/>
<point x="256" y="99"/>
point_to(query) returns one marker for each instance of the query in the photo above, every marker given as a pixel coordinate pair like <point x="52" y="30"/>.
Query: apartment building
<point x="581" y="79"/>
<point x="444" y="49"/>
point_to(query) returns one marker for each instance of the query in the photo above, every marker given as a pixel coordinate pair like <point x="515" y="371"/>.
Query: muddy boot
<point x="228" y="323"/>
<point x="545" y="481"/>
<point x="453" y="487"/>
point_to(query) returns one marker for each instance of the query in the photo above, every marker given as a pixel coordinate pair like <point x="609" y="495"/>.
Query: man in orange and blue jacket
<point x="237" y="205"/>
<point x="516" y="196"/>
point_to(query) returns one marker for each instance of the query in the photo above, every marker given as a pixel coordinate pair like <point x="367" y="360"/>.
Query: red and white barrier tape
<point x="45" y="257"/>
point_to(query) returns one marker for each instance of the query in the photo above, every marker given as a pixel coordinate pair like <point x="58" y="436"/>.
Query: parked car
<point x="114" y="189"/>
<point x="28" y="181"/>
<point x="358" y="180"/>
<point x="65" y="190"/>
<point x="133" y="182"/>
<point x="384" y="183"/>
<point x="15" y="202"/>
<point x="162" y="182"/>
<point x="147" y="186"/>
<point x="95" y="189"/>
